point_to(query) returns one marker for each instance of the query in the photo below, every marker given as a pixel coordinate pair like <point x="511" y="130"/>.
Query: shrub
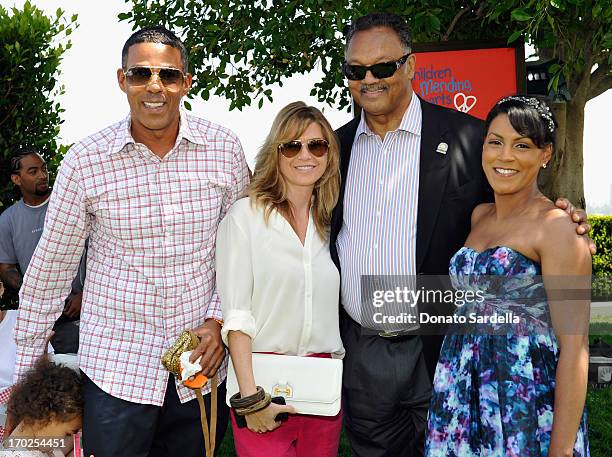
<point x="602" y="260"/>
<point x="31" y="50"/>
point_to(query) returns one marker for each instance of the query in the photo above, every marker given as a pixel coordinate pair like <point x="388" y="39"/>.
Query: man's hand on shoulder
<point x="210" y="348"/>
<point x="579" y="217"/>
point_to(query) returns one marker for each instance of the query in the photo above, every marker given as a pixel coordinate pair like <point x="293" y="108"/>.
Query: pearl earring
<point x="544" y="165"/>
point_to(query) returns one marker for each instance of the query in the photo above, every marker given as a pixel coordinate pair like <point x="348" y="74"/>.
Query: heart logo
<point x="463" y="102"/>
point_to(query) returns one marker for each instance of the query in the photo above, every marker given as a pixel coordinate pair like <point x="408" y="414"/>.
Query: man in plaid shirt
<point x="149" y="191"/>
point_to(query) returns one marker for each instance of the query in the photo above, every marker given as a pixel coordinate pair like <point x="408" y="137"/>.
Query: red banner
<point x="468" y="80"/>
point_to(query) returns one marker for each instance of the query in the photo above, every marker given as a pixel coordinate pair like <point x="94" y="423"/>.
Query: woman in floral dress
<point x="516" y="386"/>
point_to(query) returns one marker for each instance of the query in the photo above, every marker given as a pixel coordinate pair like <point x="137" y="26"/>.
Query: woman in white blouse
<point x="278" y="286"/>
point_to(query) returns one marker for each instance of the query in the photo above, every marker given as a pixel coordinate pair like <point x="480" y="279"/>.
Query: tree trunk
<point x="564" y="175"/>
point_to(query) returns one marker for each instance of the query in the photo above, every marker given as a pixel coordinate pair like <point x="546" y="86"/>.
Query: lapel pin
<point x="442" y="148"/>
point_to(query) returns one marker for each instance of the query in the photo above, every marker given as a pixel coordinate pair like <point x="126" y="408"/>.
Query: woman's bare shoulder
<point x="552" y="218"/>
<point x="480" y="212"/>
<point x="558" y="237"/>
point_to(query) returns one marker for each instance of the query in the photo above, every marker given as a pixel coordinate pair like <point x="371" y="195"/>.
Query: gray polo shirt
<point x="21" y="227"/>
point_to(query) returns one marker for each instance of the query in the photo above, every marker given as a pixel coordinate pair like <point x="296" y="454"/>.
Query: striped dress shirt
<point x="378" y="234"/>
<point x="152" y="225"/>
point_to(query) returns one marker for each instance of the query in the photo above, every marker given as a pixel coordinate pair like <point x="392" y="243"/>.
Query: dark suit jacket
<point x="450" y="186"/>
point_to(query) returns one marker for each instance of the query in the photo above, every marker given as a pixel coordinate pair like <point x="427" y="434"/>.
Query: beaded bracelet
<point x="238" y="402"/>
<point x="255" y="407"/>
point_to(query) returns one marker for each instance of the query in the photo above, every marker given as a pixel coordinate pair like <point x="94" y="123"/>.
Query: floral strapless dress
<point x="493" y="392"/>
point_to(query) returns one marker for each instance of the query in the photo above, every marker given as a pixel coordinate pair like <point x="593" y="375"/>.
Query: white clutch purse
<point x="311" y="385"/>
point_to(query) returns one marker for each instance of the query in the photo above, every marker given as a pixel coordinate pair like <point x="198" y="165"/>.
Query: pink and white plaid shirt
<point x="4" y="398"/>
<point x="152" y="225"/>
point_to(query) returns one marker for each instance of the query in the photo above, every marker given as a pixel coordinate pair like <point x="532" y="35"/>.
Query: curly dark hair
<point x="48" y="392"/>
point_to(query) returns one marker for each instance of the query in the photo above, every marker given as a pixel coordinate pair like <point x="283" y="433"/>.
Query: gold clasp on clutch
<point x="282" y="390"/>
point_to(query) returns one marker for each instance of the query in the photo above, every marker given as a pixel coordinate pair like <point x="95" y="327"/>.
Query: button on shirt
<point x="152" y="224"/>
<point x="282" y="294"/>
<point x="378" y="234"/>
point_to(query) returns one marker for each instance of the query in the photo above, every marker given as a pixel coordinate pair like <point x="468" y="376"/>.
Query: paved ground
<point x="601" y="311"/>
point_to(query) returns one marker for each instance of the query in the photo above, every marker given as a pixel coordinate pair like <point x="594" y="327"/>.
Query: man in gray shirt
<point x="21" y="226"/>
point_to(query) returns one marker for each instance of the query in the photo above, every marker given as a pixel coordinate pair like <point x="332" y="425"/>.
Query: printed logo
<point x="463" y="102"/>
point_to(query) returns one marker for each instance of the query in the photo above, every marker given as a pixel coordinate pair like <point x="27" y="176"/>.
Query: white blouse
<point x="280" y="293"/>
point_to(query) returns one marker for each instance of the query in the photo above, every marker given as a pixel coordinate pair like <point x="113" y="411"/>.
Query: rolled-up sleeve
<point x="235" y="277"/>
<point x="54" y="264"/>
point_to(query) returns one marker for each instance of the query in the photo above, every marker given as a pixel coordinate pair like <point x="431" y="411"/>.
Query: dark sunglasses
<point x="379" y="70"/>
<point x="139" y="76"/>
<point x="317" y="147"/>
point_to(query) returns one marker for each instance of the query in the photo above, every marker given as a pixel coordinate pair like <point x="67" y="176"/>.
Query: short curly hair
<point x="373" y="20"/>
<point x="48" y="392"/>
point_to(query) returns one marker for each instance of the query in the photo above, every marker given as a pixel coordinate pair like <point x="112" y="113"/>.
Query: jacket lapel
<point x="433" y="174"/>
<point x="346" y="136"/>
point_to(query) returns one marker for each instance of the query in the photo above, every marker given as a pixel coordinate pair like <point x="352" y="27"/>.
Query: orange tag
<point x="198" y="381"/>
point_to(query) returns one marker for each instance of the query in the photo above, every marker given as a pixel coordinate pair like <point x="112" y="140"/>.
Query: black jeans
<point x="113" y="427"/>
<point x="386" y="393"/>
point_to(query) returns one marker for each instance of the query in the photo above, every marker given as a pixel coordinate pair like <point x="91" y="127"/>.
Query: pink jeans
<point x="300" y="436"/>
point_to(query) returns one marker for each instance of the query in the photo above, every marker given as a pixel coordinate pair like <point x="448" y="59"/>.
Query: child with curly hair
<point x="47" y="403"/>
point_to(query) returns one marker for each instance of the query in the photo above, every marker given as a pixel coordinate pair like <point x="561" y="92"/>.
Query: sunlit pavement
<point x="601" y="311"/>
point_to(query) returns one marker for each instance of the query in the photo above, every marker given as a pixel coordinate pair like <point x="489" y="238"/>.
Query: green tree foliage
<point x="31" y="50"/>
<point x="602" y="261"/>
<point x="602" y="236"/>
<point x="239" y="50"/>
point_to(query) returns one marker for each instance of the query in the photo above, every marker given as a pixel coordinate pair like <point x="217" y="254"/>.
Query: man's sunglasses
<point x="379" y="70"/>
<point x="140" y="76"/>
<point x="317" y="147"/>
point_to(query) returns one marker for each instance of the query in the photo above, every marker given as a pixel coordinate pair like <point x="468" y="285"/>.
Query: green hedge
<point x="32" y="46"/>
<point x="599" y="418"/>
<point x="602" y="261"/>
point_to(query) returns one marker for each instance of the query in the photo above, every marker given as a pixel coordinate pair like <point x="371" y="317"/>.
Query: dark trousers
<point x="117" y="428"/>
<point x="386" y="393"/>
<point x="65" y="339"/>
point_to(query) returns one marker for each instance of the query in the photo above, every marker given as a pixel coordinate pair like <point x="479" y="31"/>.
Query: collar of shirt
<point x="123" y="135"/>
<point x="37" y="206"/>
<point x="280" y="222"/>
<point x="411" y="120"/>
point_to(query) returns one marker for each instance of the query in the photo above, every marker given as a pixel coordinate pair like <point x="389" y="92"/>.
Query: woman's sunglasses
<point x="379" y="70"/>
<point x="139" y="76"/>
<point x="317" y="147"/>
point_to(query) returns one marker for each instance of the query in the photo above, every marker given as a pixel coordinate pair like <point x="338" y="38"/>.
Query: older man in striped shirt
<point x="411" y="176"/>
<point x="149" y="191"/>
